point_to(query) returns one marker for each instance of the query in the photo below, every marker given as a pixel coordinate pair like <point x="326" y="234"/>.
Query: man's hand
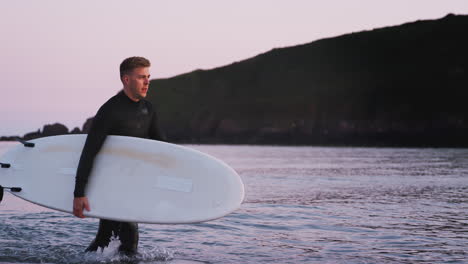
<point x="79" y="204"/>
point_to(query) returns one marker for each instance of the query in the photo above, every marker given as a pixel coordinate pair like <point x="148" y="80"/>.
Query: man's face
<point x="136" y="83"/>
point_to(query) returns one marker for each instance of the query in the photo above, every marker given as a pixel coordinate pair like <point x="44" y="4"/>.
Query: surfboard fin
<point x="5" y="165"/>
<point x="12" y="189"/>
<point x="26" y="144"/>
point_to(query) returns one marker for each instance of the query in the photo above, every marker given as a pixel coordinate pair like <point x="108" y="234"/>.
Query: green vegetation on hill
<point x="402" y="85"/>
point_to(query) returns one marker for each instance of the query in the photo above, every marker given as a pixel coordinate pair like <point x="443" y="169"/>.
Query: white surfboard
<point x="133" y="179"/>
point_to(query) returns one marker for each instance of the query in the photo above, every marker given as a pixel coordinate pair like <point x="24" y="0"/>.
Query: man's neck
<point x="129" y="96"/>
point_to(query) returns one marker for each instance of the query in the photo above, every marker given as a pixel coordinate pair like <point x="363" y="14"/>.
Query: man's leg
<point x="103" y="236"/>
<point x="129" y="238"/>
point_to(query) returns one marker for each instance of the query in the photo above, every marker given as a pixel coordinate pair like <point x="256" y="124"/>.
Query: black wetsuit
<point x="124" y="117"/>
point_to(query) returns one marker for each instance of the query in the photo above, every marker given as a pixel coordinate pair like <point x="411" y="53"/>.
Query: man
<point x="125" y="114"/>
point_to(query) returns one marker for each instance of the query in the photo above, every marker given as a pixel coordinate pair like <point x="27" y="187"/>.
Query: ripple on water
<point x="42" y="252"/>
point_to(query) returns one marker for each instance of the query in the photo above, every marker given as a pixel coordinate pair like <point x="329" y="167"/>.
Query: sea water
<point x="302" y="205"/>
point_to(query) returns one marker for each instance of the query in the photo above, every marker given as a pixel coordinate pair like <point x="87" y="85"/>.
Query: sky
<point x="59" y="59"/>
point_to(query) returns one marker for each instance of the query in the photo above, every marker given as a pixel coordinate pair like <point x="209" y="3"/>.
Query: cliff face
<point x="403" y="85"/>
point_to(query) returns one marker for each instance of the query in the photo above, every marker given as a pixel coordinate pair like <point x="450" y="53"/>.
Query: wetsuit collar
<point x="122" y="94"/>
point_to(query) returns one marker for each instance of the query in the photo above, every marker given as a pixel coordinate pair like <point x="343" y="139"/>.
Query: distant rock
<point x="9" y="138"/>
<point x="32" y="135"/>
<point x="76" y="130"/>
<point x="47" y="130"/>
<point x="54" y="130"/>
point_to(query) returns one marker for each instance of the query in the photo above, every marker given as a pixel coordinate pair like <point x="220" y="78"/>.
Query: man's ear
<point x="125" y="79"/>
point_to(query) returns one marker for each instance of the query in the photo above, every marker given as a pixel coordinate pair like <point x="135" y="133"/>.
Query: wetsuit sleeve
<point x="96" y="137"/>
<point x="155" y="131"/>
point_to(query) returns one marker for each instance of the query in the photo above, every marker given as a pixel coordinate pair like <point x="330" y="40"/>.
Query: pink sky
<point x="59" y="59"/>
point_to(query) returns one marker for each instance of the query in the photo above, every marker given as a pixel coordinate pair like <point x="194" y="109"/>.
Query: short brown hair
<point x="131" y="63"/>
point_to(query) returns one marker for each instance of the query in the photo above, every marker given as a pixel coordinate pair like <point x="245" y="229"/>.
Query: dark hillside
<point x="402" y="85"/>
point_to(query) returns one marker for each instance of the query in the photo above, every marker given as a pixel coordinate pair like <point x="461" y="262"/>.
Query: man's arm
<point x="155" y="131"/>
<point x="94" y="141"/>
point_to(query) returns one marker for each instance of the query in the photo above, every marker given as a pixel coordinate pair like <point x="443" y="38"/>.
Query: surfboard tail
<point x="13" y="189"/>
<point x="8" y="165"/>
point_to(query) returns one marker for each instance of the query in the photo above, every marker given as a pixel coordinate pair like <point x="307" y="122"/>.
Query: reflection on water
<point x="303" y="205"/>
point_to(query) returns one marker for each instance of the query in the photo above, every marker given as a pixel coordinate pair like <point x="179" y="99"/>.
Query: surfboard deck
<point x="133" y="179"/>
